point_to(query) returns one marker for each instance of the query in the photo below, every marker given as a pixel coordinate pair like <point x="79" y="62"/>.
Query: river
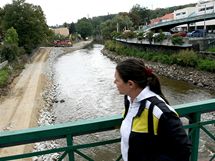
<point x="86" y="90"/>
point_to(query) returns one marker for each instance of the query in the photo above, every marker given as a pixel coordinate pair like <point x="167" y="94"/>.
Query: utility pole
<point x="204" y="22"/>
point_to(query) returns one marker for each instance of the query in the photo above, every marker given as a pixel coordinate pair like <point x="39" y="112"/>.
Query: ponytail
<point x="154" y="85"/>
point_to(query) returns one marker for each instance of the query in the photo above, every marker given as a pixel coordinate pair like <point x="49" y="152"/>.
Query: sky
<point x="59" y="11"/>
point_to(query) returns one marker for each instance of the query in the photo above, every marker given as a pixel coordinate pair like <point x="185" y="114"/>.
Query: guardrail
<point x="192" y="111"/>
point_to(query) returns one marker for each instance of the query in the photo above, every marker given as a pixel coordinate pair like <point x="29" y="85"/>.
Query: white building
<point x="201" y="8"/>
<point x="185" y="12"/>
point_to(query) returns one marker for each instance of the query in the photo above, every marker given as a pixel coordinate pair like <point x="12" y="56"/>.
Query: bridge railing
<point x="176" y="22"/>
<point x="68" y="131"/>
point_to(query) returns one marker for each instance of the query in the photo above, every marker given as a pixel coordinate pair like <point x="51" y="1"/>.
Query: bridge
<point x="67" y="131"/>
<point x="166" y="26"/>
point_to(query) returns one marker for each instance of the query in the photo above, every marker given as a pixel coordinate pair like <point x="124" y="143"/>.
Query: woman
<point x="151" y="129"/>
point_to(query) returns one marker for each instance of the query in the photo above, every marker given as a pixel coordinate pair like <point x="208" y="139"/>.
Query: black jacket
<point x="163" y="140"/>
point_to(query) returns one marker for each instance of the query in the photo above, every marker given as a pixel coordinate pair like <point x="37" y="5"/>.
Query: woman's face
<point x="122" y="87"/>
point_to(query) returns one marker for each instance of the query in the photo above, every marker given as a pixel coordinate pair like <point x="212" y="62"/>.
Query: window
<point x="210" y="8"/>
<point x="201" y="9"/>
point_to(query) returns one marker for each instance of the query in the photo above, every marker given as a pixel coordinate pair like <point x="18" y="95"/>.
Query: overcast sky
<point x="60" y="11"/>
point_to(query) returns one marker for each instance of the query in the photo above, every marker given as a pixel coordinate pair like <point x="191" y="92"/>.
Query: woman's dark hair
<point x="135" y="70"/>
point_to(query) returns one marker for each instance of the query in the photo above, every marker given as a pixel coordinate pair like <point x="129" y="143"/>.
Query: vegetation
<point x="211" y="49"/>
<point x="22" y="29"/>
<point x="160" y="37"/>
<point x="84" y="27"/>
<point x="4" y="76"/>
<point x="177" y="40"/>
<point x="185" y="58"/>
<point x="29" y="22"/>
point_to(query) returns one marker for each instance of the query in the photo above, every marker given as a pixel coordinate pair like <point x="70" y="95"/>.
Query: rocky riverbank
<point x="190" y="75"/>
<point x="46" y="114"/>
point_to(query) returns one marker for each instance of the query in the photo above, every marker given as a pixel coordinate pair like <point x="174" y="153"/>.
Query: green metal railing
<point x="68" y="131"/>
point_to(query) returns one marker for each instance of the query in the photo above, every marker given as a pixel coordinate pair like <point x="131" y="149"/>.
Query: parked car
<point x="197" y="33"/>
<point x="166" y="34"/>
<point x="181" y="33"/>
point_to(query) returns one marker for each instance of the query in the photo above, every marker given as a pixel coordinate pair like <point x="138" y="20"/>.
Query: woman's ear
<point x="131" y="83"/>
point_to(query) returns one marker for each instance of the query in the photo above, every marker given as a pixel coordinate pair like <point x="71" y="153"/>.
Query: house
<point x="62" y="31"/>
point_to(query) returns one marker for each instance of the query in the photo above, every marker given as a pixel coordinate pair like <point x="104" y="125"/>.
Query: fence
<point x="67" y="131"/>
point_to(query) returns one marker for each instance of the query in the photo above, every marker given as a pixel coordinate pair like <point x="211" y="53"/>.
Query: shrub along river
<point x="84" y="81"/>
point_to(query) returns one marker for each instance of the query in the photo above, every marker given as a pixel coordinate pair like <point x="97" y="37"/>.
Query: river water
<point x="86" y="89"/>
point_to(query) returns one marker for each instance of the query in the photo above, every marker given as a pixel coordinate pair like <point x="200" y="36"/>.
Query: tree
<point x="139" y="16"/>
<point x="11" y="37"/>
<point x="29" y="22"/>
<point x="72" y="28"/>
<point x="123" y="21"/>
<point x="1" y="25"/>
<point x="107" y="28"/>
<point x="84" y="27"/>
<point x="149" y="36"/>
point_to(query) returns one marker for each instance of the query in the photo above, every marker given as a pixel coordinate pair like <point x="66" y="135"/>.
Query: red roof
<point x="168" y="16"/>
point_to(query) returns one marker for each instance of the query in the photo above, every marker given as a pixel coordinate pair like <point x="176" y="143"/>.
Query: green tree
<point x="160" y="37"/>
<point x="97" y="21"/>
<point x="120" y="22"/>
<point x="72" y="28"/>
<point x="107" y="28"/>
<point x="11" y="37"/>
<point x="123" y="21"/>
<point x="29" y="22"/>
<point x="149" y="36"/>
<point x="139" y="16"/>
<point x="84" y="27"/>
<point x="1" y="25"/>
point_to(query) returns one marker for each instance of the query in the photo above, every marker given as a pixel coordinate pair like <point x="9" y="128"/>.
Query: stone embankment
<point x="190" y="75"/>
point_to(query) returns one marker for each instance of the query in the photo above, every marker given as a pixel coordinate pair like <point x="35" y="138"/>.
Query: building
<point x="201" y="8"/>
<point x="62" y="31"/>
<point x="166" y="17"/>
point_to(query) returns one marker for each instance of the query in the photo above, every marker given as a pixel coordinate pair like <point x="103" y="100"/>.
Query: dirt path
<point x="19" y="110"/>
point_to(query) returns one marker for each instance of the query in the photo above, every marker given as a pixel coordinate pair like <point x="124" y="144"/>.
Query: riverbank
<point x="32" y="95"/>
<point x="190" y="75"/>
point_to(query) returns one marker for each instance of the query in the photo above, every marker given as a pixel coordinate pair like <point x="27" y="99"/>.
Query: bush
<point x="160" y="37"/>
<point x="207" y="65"/>
<point x="211" y="49"/>
<point x="110" y="45"/>
<point x="177" y="40"/>
<point x="9" y="52"/>
<point x="4" y="76"/>
<point x="185" y="58"/>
